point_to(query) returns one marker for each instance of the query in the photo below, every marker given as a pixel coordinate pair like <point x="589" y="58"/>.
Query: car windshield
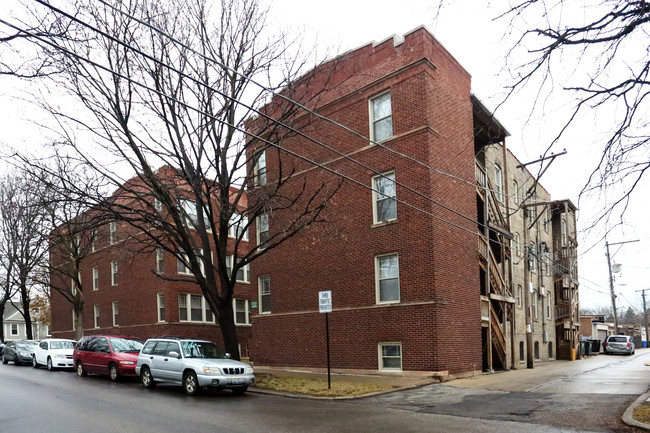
<point x="126" y="345"/>
<point x="62" y="345"/>
<point x="617" y="340"/>
<point x="201" y="349"/>
<point x="26" y="345"/>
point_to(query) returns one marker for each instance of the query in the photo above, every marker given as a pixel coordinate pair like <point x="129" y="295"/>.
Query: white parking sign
<point x="325" y="301"/>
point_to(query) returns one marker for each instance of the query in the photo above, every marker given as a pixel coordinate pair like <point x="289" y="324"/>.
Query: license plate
<point x="237" y="381"/>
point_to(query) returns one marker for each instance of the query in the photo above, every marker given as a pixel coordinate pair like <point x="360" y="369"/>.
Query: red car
<point x="110" y="355"/>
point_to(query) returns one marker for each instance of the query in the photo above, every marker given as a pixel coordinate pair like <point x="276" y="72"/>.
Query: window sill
<point x="383" y="223"/>
<point x="245" y="325"/>
<point x="388" y="302"/>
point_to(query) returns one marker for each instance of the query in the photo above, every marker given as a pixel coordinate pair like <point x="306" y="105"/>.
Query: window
<point x="515" y="192"/>
<point x="550" y="351"/>
<point x="390" y="356"/>
<point x="565" y="234"/>
<point x="498" y="182"/>
<point x="157" y="204"/>
<point x="265" y="295"/>
<point x="194" y="308"/>
<point x="534" y="304"/>
<point x="96" y="316"/>
<point x="381" y="118"/>
<point x="243" y="273"/>
<point x="384" y="204"/>
<point x="532" y="257"/>
<point x="116" y="313"/>
<point x="517" y="244"/>
<point x="263" y="230"/>
<point x="387" y="278"/>
<point x="520" y="296"/>
<point x="548" y="305"/>
<point x="240" y="308"/>
<point x="537" y="350"/>
<point x="237" y="226"/>
<point x="547" y="263"/>
<point x="14" y="329"/>
<point x="521" y="351"/>
<point x="259" y="168"/>
<point x="112" y="232"/>
<point x="114" y="273"/>
<point x="160" y="260"/>
<point x="182" y="266"/>
<point x="160" y="300"/>
<point x="547" y="219"/>
<point x="73" y="284"/>
<point x="191" y="213"/>
<point x="93" y="238"/>
<point x="95" y="278"/>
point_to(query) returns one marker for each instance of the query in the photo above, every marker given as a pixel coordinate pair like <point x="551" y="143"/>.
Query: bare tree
<point x="24" y="246"/>
<point x="166" y="89"/>
<point x="603" y="46"/>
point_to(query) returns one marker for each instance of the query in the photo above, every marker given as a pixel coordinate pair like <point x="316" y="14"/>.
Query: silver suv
<point x="619" y="344"/>
<point x="193" y="364"/>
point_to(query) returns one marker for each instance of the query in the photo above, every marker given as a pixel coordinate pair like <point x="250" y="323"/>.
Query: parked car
<point x="110" y="355"/>
<point x="19" y="351"/>
<point x="54" y="353"/>
<point x="618" y="344"/>
<point x="2" y="345"/>
<point x="193" y="364"/>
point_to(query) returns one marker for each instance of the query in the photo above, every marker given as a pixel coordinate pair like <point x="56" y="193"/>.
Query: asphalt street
<point x="39" y="401"/>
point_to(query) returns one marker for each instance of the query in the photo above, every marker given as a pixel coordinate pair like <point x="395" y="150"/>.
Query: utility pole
<point x="611" y="280"/>
<point x="645" y="313"/>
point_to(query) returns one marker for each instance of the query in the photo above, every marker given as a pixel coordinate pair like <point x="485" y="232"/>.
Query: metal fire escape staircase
<point x="493" y="249"/>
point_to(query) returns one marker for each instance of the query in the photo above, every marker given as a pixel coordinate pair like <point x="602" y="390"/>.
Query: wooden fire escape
<point x="494" y="256"/>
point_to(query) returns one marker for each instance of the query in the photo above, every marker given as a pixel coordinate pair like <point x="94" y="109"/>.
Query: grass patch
<point x="316" y="387"/>
<point x="642" y="413"/>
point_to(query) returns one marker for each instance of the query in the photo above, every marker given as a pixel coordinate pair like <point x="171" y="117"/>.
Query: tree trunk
<point x="79" y="323"/>
<point x="228" y="329"/>
<point x="26" y="313"/>
<point x="2" y="322"/>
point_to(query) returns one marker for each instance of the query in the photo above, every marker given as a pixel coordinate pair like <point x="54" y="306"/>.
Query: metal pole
<point x="327" y="335"/>
<point x="645" y="316"/>
<point x="529" y="318"/>
<point x="611" y="289"/>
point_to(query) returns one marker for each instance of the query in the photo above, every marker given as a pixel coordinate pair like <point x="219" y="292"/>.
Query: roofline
<point x="477" y="102"/>
<point x="572" y="206"/>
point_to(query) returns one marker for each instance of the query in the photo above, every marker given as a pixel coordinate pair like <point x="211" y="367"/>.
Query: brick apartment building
<point x="421" y="246"/>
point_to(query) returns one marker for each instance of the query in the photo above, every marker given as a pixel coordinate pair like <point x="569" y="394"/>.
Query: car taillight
<point x="605" y="344"/>
<point x="628" y="344"/>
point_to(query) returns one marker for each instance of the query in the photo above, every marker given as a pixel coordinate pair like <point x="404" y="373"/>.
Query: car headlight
<point x="211" y="370"/>
<point x="25" y="354"/>
<point x="249" y="370"/>
<point x="127" y="362"/>
<point x="60" y="356"/>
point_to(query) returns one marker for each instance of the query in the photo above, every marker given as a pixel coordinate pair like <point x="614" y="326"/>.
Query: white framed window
<point x="73" y="284"/>
<point x="160" y="301"/>
<point x="96" y="316"/>
<point x="387" y="278"/>
<point x="116" y="313"/>
<point x="95" y="278"/>
<point x="112" y="232"/>
<point x="384" y="203"/>
<point x="194" y="308"/>
<point x="548" y="305"/>
<point x="264" y="285"/>
<point x="160" y="260"/>
<point x="237" y="226"/>
<point x="114" y="270"/>
<point x="381" y="117"/>
<point x="182" y="266"/>
<point x="390" y="356"/>
<point x="157" y="204"/>
<point x="565" y="233"/>
<point x="520" y="296"/>
<point x="534" y="305"/>
<point x="93" y="239"/>
<point x="190" y="212"/>
<point x="515" y="192"/>
<point x="263" y="233"/>
<point x="241" y="311"/>
<point x="517" y="241"/>
<point x="259" y="168"/>
<point x="14" y="329"/>
<point x="498" y="182"/>
<point x="243" y="273"/>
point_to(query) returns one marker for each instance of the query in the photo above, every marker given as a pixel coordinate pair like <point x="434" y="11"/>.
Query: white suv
<point x="193" y="364"/>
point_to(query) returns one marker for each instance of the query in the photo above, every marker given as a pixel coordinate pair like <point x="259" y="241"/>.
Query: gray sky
<point x="468" y="31"/>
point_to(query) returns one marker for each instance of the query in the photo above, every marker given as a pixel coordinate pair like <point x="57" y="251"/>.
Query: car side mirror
<point x="228" y="356"/>
<point x="174" y="354"/>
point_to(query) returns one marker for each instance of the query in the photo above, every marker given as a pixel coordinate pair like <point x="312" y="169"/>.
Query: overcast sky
<point x="468" y="31"/>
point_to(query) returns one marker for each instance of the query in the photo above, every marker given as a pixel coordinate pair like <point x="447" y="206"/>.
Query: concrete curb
<point x="628" y="417"/>
<point x="325" y="398"/>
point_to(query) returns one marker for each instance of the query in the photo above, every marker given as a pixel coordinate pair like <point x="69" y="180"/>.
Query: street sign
<point x="325" y="301"/>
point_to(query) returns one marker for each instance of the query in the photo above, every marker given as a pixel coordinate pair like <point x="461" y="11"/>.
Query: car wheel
<point x="4" y="360"/>
<point x="190" y="383"/>
<point x="16" y="361"/>
<point x="81" y="372"/>
<point x="239" y="390"/>
<point x="50" y="367"/>
<point x="34" y="363"/>
<point x="146" y="378"/>
<point x="113" y="372"/>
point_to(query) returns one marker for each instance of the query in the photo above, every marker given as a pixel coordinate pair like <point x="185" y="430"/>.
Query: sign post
<point x="325" y="306"/>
